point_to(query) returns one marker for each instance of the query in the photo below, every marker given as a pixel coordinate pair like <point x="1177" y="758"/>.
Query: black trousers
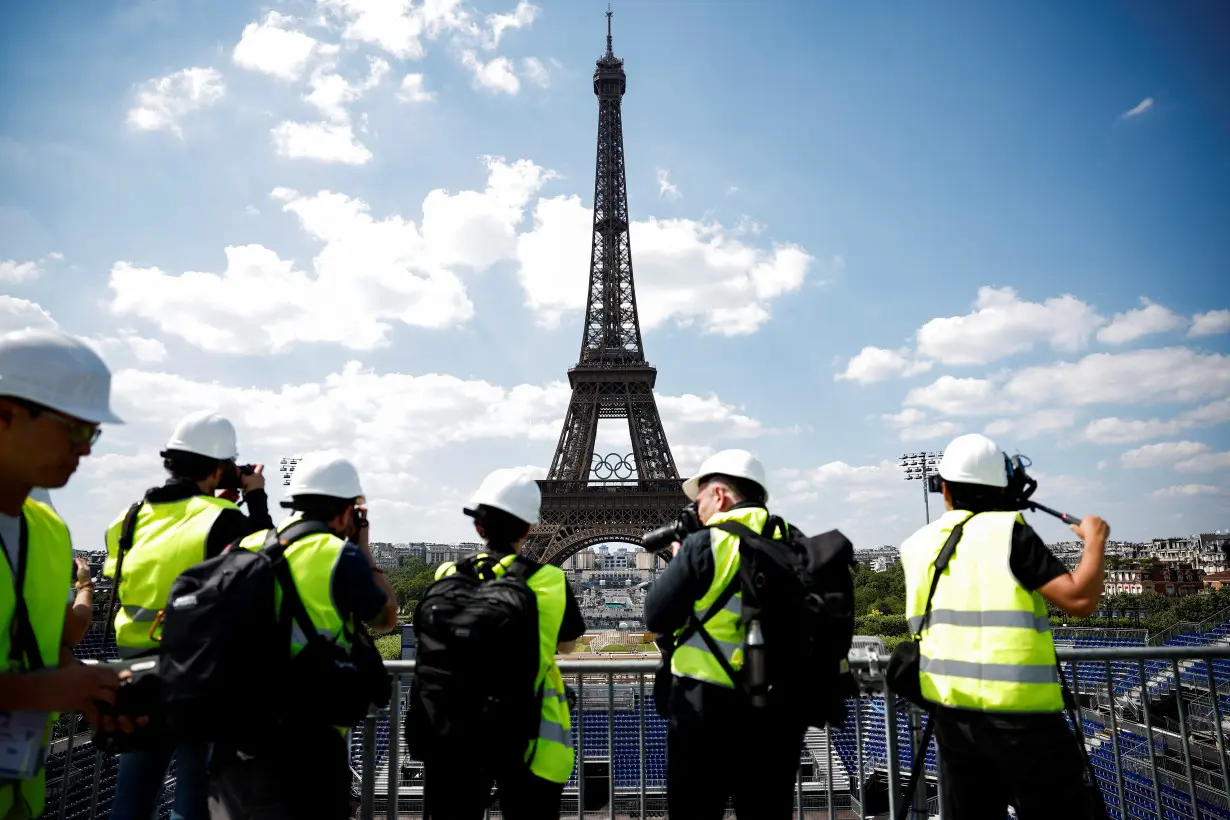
<point x="710" y="761"/>
<point x="307" y="775"/>
<point x="459" y="790"/>
<point x="1029" y="761"/>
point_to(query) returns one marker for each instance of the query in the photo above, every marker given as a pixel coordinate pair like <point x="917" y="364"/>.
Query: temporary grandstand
<point x="1152" y="718"/>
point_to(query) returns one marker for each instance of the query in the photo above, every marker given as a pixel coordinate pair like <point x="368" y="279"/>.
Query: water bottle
<point x="754" y="663"/>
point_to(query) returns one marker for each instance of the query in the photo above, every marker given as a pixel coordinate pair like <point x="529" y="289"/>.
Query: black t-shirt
<point x="354" y="588"/>
<point x="1031" y="561"/>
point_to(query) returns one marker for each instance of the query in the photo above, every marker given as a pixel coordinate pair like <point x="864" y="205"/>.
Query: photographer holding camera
<point x="172" y="528"/>
<point x="708" y="711"/>
<point x="986" y="660"/>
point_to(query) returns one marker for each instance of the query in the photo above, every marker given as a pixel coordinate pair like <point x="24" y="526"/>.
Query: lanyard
<point x="21" y="635"/>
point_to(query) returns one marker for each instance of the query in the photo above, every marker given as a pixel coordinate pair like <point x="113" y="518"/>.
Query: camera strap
<point x="276" y="544"/>
<point x="123" y="544"/>
<point x="22" y="640"/>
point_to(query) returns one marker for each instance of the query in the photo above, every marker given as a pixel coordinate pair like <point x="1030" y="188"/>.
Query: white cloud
<point x="1212" y="323"/>
<point x="960" y="397"/>
<point x="331" y="92"/>
<point x="1162" y="375"/>
<point x="666" y="188"/>
<point x="1138" y="109"/>
<point x="412" y="90"/>
<point x="1205" y="463"/>
<point x="915" y="425"/>
<point x="1188" y="491"/>
<point x="397" y="26"/>
<point x="685" y="270"/>
<point x="1033" y="424"/>
<point x="321" y="141"/>
<point x="164" y="101"/>
<point x="14" y="271"/>
<point x="1002" y="325"/>
<point x="1157" y="455"/>
<point x="19" y="314"/>
<point x="1115" y="430"/>
<point x="1149" y="319"/>
<point x="271" y="47"/>
<point x="148" y="351"/>
<point x="521" y="17"/>
<point x="383" y="270"/>
<point x="496" y="75"/>
<point x="873" y="364"/>
<point x="535" y="71"/>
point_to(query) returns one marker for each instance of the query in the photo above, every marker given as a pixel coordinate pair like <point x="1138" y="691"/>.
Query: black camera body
<point x="1020" y="485"/>
<point x="247" y="469"/>
<point x="659" y="541"/>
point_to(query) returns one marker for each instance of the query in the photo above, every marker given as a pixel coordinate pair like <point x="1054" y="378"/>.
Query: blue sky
<point x="860" y="230"/>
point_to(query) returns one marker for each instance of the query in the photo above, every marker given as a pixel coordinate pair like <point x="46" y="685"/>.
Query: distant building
<point x="1182" y="579"/>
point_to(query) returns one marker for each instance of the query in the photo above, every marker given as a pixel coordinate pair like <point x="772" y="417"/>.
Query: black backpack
<point x="225" y="657"/>
<point x="474" y="689"/>
<point x="801" y="591"/>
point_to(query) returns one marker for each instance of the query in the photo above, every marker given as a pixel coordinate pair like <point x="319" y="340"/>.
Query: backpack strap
<point x="124" y="544"/>
<point x="276" y="544"/>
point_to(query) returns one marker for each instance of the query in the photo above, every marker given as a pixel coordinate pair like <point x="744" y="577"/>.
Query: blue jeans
<point x="138" y="784"/>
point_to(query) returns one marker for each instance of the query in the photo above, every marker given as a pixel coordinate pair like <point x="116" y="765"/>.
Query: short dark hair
<point x="319" y="507"/>
<point x="501" y="529"/>
<point x="747" y="489"/>
<point x="975" y="498"/>
<point x="189" y="466"/>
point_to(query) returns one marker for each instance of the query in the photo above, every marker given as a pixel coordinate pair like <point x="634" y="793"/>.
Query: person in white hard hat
<point x="339" y="584"/>
<point x="987" y="660"/>
<point x="173" y="527"/>
<point x="706" y="711"/>
<point x="54" y="393"/>
<point x="504" y="507"/>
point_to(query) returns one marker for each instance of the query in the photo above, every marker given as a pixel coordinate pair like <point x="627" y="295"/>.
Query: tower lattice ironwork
<point x="589" y="498"/>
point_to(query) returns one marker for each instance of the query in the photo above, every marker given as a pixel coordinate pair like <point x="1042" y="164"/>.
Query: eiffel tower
<point x="588" y="498"/>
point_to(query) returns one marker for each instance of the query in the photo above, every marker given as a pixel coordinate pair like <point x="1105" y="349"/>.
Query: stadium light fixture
<point x="287" y="468"/>
<point x="917" y="467"/>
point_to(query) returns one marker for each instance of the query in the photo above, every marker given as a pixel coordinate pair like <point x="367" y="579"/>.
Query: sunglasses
<point x="79" y="432"/>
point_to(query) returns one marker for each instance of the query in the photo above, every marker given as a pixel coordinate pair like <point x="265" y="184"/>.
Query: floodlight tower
<point x="917" y="467"/>
<point x="287" y="468"/>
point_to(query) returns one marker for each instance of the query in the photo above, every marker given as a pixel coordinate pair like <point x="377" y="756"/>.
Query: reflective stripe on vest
<point x="692" y="658"/>
<point x="169" y="537"/>
<point x="988" y="643"/>
<point x="551" y="756"/>
<point x="49" y="564"/>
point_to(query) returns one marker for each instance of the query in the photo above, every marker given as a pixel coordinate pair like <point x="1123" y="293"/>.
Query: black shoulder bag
<point x="904" y="668"/>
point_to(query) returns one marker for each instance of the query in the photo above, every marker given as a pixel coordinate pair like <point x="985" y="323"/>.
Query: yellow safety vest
<point x="311" y="560"/>
<point x="551" y="756"/>
<point x="692" y="658"/>
<point x="169" y="537"/>
<point x="49" y="563"/>
<point x="987" y="645"/>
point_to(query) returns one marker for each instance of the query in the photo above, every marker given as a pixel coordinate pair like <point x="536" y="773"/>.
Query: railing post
<point x="890" y="741"/>
<point x="393" y="759"/>
<point x="367" y="808"/>
<point x="918" y="807"/>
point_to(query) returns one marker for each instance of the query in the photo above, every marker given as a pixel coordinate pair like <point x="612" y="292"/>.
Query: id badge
<point x="21" y="743"/>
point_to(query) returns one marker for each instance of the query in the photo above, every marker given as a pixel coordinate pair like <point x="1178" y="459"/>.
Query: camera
<point x="660" y="540"/>
<point x="247" y="469"/>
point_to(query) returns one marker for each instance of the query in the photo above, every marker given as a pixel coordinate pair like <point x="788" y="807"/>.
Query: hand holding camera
<point x="252" y="477"/>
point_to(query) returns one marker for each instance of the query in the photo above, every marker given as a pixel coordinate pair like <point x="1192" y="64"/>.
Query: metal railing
<point x="1145" y="767"/>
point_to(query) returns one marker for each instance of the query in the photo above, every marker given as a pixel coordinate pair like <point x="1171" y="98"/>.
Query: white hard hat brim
<point x="90" y="414"/>
<point x="691" y="488"/>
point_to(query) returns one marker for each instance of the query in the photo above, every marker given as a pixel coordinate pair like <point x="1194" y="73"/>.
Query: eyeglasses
<point x="79" y="432"/>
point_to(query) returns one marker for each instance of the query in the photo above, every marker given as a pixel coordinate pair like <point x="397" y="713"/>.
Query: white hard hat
<point x="326" y="473"/>
<point x="974" y="459"/>
<point x="736" y="463"/>
<point x="509" y="490"/>
<point x="205" y="433"/>
<point x="56" y="370"/>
